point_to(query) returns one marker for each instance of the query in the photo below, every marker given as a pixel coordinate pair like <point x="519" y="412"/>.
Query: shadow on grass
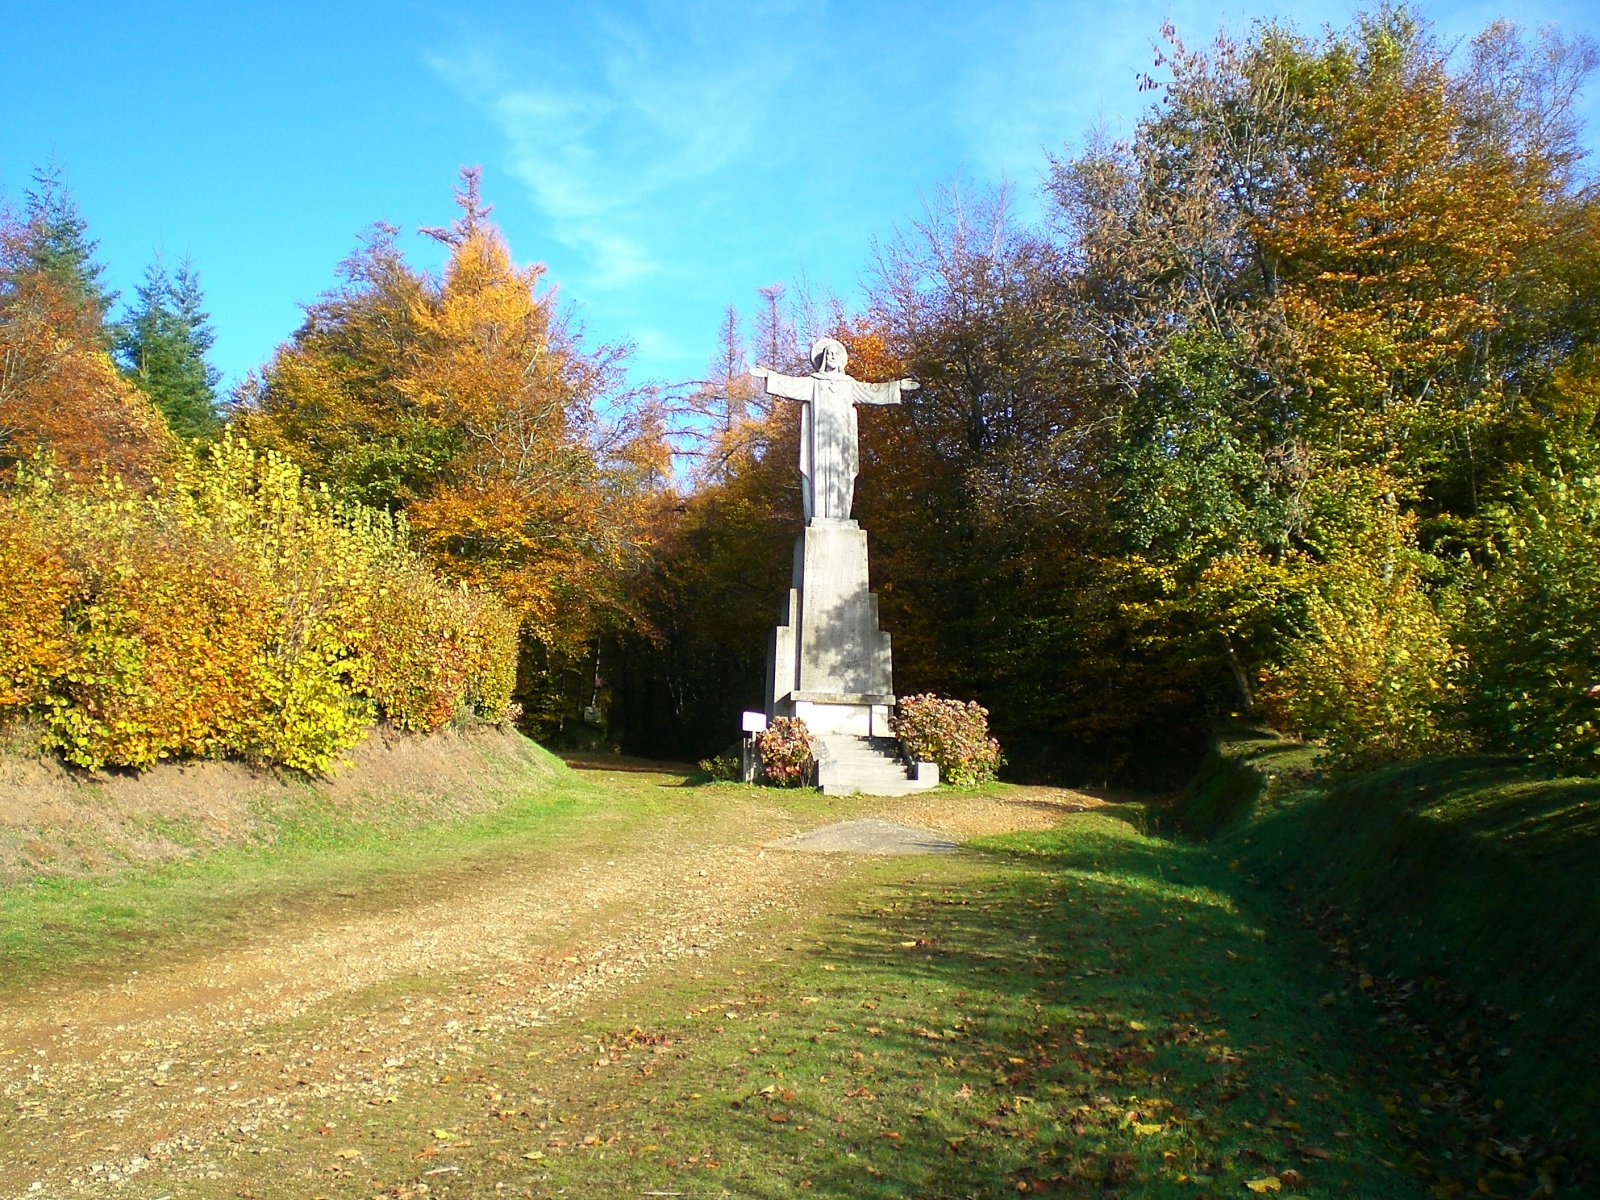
<point x="590" y="761"/>
<point x="1071" y="1014"/>
<point x="1478" y="880"/>
<point x="1508" y="803"/>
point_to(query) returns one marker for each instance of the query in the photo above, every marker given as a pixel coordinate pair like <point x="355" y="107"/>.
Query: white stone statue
<point x="828" y="446"/>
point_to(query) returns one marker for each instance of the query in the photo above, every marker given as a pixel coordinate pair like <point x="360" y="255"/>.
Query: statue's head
<point x="829" y="356"/>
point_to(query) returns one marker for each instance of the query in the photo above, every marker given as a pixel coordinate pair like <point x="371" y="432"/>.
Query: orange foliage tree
<point x="59" y="392"/>
<point x="1326" y="279"/>
<point x="466" y="402"/>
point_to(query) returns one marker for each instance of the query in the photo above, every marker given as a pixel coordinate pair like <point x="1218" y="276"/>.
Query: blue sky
<point x="662" y="159"/>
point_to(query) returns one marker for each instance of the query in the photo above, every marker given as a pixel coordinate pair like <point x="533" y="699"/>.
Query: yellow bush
<point x="164" y="648"/>
<point x="35" y="586"/>
<point x="233" y="610"/>
<point x="415" y="657"/>
<point x="492" y="643"/>
<point x="434" y="652"/>
<point x="1371" y="676"/>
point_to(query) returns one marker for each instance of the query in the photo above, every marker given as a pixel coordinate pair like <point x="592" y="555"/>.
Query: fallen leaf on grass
<point x="1270" y="1184"/>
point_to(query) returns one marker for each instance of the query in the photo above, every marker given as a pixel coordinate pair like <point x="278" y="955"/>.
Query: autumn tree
<point x="466" y="402"/>
<point x="1274" y="368"/>
<point x="60" y="395"/>
<point x="1320" y="277"/>
<point x="983" y="489"/>
<point x="53" y="243"/>
<point x="723" y="548"/>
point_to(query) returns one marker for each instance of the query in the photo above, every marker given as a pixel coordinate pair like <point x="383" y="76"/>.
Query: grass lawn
<point x="1083" y="1012"/>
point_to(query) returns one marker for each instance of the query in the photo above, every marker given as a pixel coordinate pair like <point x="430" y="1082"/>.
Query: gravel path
<point x="157" y="1073"/>
<point x="866" y="835"/>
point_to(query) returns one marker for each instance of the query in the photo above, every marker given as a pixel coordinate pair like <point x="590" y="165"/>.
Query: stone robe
<point x="829" y="457"/>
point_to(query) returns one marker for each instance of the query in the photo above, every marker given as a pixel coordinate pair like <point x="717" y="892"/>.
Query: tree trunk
<point x="1247" y="698"/>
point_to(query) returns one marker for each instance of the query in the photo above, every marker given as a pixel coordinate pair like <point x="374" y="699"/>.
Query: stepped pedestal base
<point x="857" y="716"/>
<point x="828" y="662"/>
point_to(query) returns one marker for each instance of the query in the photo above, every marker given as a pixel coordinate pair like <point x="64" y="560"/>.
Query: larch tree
<point x="723" y="549"/>
<point x="467" y="403"/>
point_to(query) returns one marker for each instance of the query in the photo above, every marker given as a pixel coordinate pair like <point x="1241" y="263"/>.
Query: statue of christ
<point x="829" y="457"/>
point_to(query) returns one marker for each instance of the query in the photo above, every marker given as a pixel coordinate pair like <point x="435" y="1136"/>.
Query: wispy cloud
<point x="611" y="136"/>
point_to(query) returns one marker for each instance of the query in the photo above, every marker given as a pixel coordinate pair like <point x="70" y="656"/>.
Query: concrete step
<point x="883" y="789"/>
<point x="875" y="784"/>
<point x="856" y="764"/>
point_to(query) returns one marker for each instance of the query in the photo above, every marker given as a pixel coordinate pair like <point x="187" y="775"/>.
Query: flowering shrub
<point x="234" y="610"/>
<point x="952" y="733"/>
<point x="786" y="753"/>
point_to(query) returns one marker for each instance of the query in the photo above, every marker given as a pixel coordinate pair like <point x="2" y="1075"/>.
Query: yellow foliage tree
<point x="466" y="403"/>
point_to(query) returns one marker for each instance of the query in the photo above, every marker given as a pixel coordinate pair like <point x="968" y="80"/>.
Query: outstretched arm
<point x="786" y="387"/>
<point x="882" y="393"/>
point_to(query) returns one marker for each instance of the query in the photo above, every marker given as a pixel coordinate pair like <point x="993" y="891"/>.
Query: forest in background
<point x="1289" y="408"/>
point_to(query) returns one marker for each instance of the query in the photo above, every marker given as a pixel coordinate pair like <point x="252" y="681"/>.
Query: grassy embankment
<point x="290" y="846"/>
<point x="1465" y="892"/>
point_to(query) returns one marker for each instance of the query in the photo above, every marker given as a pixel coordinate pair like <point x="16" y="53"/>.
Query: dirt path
<point x="124" y="1086"/>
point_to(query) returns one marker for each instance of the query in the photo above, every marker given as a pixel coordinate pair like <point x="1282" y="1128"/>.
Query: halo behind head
<point x="820" y="348"/>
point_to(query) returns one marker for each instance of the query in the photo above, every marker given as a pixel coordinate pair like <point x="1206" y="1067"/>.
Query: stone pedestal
<point x="828" y="661"/>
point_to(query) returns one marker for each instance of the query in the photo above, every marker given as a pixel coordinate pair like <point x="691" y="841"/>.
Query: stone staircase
<point x="848" y="764"/>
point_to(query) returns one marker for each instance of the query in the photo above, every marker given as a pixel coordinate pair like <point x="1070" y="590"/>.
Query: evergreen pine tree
<point x="54" y="244"/>
<point x="162" y="348"/>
